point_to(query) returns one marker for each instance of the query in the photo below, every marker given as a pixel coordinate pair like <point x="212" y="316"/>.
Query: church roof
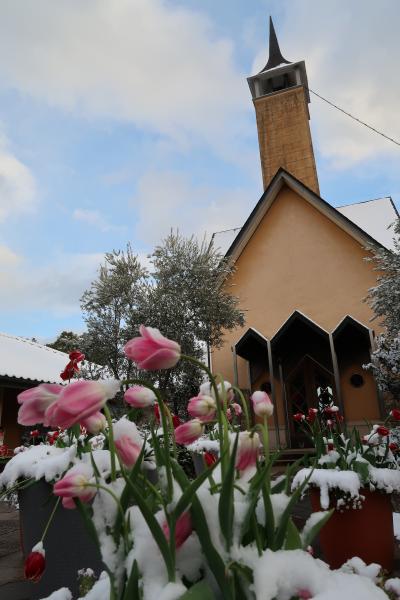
<point x="367" y="222"/>
<point x="21" y="358"/>
<point x="275" y="58"/>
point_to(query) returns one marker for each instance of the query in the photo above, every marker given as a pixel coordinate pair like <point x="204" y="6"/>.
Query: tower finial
<point x="275" y="56"/>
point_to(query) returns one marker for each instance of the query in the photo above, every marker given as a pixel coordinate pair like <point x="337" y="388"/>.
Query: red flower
<point x="176" y="421"/>
<point x="312" y="415"/>
<point x="383" y="431"/>
<point x="75" y="357"/>
<point x="157" y="413"/>
<point x="35" y="564"/>
<point x="52" y="436"/>
<point x="209" y="458"/>
<point x="35" y="433"/>
<point x="3" y="450"/>
<point x="299" y="417"/>
<point x="393" y="447"/>
<point x="395" y="414"/>
<point x="330" y="446"/>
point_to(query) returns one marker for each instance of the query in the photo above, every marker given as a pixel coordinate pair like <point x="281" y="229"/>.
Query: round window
<point x="356" y="380"/>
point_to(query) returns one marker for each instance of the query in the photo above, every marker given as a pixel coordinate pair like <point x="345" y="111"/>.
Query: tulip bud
<point x="35" y="563"/>
<point x="262" y="404"/>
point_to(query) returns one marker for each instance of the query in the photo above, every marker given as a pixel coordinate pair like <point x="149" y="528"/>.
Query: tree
<point x="66" y="342"/>
<point x="182" y="296"/>
<point x="384" y="299"/>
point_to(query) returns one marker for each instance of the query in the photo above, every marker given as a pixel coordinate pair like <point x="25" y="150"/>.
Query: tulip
<point x="74" y="484"/>
<point x="176" y="421"/>
<point x="237" y="409"/>
<point x="36" y="401"/>
<point x="330" y="410"/>
<point x="304" y="594"/>
<point x="35" y="433"/>
<point x="393" y="447"/>
<point x="312" y="415"/>
<point x="329" y="423"/>
<point x="128" y="442"/>
<point x="395" y="414"/>
<point x="383" y="431"/>
<point x="139" y="396"/>
<point x="189" y="432"/>
<point x="35" y="563"/>
<point x="75" y="357"/>
<point x="262" y="404"/>
<point x="183" y="528"/>
<point x="209" y="458"/>
<point x="248" y="449"/>
<point x="80" y="400"/>
<point x="152" y="351"/>
<point x="94" y="423"/>
<point x="202" y="407"/>
<point x="298" y="417"/>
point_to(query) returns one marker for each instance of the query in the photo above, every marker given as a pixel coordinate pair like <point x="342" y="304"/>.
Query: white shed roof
<point x="24" y="359"/>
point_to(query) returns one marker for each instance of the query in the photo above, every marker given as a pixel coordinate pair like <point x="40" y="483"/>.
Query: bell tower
<point x="281" y="97"/>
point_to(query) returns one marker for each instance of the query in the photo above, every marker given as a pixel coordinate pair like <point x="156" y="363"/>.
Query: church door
<point x="301" y="393"/>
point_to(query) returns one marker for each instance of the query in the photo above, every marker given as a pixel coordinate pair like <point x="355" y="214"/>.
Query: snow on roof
<point x="374" y="217"/>
<point x="24" y="359"/>
<point x="224" y="239"/>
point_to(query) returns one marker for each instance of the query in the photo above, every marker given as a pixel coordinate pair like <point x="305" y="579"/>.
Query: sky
<point x="122" y="119"/>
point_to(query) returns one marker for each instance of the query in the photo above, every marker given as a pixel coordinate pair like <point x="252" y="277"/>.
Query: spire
<point x="275" y="56"/>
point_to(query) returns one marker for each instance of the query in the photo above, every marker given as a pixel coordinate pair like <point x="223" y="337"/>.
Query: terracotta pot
<point x="366" y="532"/>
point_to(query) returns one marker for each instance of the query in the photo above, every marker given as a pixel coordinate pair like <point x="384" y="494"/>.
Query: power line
<point x="355" y="118"/>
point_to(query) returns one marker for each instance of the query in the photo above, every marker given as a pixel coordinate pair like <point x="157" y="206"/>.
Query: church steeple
<point x="275" y="55"/>
<point x="280" y="95"/>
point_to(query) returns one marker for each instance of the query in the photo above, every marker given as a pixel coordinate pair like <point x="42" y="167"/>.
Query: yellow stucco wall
<point x="298" y="259"/>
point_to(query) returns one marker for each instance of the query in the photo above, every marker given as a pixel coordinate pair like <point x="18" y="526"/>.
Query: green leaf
<point x="269" y="518"/>
<point x="85" y="513"/>
<point x="132" y="591"/>
<point x="293" y="539"/>
<point x="186" y="498"/>
<point x="362" y="468"/>
<point x="308" y="538"/>
<point x="199" y="591"/>
<point x="226" y="505"/>
<point x="283" y="524"/>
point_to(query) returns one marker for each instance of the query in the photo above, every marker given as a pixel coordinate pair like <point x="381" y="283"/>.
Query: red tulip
<point x="176" y="421"/>
<point x="35" y="433"/>
<point x="299" y="417"/>
<point x="35" y="563"/>
<point x="183" y="528"/>
<point x="393" y="447"/>
<point x="312" y="415"/>
<point x="383" y="431"/>
<point x="395" y="414"/>
<point x="209" y="459"/>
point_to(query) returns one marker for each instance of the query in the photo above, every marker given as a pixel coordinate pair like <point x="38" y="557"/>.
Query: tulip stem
<point x="50" y="519"/>
<point x="245" y="407"/>
<point x="110" y="441"/>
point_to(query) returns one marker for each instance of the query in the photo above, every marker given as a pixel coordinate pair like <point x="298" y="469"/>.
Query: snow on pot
<point x="362" y="523"/>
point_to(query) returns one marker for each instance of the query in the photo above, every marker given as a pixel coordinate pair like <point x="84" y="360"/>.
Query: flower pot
<point x="67" y="544"/>
<point x="366" y="532"/>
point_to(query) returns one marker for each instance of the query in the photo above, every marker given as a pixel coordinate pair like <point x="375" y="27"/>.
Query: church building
<point x="301" y="275"/>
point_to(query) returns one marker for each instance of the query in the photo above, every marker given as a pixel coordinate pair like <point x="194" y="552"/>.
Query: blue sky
<point x="122" y="119"/>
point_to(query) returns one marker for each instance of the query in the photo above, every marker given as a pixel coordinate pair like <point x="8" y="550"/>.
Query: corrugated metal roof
<point x="23" y="359"/>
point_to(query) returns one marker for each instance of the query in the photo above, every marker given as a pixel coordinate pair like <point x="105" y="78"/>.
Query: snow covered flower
<point x="248" y="449"/>
<point x="35" y="563"/>
<point x="128" y="441"/>
<point x="139" y="396"/>
<point x="393" y="447"/>
<point x="395" y="414"/>
<point x="383" y="431"/>
<point x="203" y="407"/>
<point x="262" y="404"/>
<point x="187" y="433"/>
<point x="152" y="351"/>
<point x="74" y="484"/>
<point x="94" y="423"/>
<point x="36" y="401"/>
<point x="80" y="400"/>
<point x="183" y="528"/>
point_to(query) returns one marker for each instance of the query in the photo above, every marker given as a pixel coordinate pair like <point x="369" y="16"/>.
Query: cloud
<point x="94" y="218"/>
<point x="17" y="184"/>
<point x="170" y="200"/>
<point x="351" y="53"/>
<point x="157" y="65"/>
<point x="8" y="258"/>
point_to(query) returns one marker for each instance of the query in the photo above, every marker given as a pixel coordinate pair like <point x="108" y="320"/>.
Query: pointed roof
<point x="282" y="178"/>
<point x="275" y="56"/>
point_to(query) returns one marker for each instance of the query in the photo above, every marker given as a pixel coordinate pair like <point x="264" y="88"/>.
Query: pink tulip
<point x="36" y="401"/>
<point x="262" y="404"/>
<point x="237" y="409"/>
<point x="94" y="423"/>
<point x="74" y="485"/>
<point x="183" y="528"/>
<point x="139" y="396"/>
<point x="203" y="407"/>
<point x="128" y="442"/>
<point x="80" y="400"/>
<point x="152" y="351"/>
<point x="247" y="452"/>
<point x="189" y="432"/>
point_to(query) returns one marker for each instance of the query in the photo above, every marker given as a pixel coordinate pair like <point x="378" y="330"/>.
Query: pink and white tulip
<point x="128" y="442"/>
<point x="152" y="351"/>
<point x="183" y="528"/>
<point x="36" y="401"/>
<point x="202" y="407"/>
<point x="207" y="389"/>
<point x="262" y="404"/>
<point x="74" y="485"/>
<point x="80" y="400"/>
<point x="94" y="423"/>
<point x="139" y="396"/>
<point x="189" y="432"/>
<point x="248" y="449"/>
